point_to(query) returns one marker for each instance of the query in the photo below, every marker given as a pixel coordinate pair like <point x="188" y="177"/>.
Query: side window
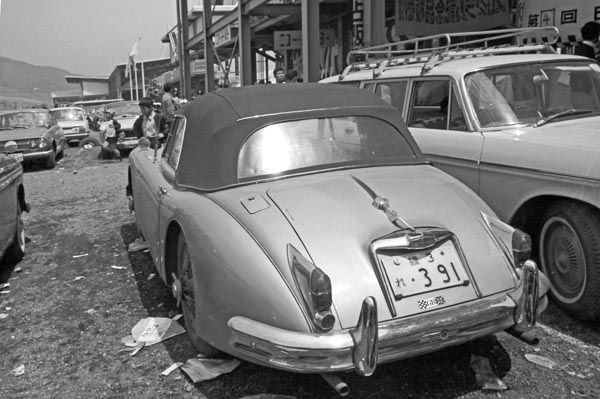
<point x="393" y="93"/>
<point x="177" y="133"/>
<point x="369" y="86"/>
<point x="435" y="105"/>
<point x="429" y="105"/>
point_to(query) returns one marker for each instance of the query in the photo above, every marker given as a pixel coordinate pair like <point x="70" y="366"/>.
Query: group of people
<point x="150" y="127"/>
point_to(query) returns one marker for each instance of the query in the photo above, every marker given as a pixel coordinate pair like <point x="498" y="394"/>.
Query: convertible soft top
<point x="218" y="123"/>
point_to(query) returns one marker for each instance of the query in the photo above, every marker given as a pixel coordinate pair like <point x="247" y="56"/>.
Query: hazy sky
<point x="87" y="37"/>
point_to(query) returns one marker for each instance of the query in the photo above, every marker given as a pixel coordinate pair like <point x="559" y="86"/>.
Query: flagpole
<point x="130" y="79"/>
<point x="137" y="94"/>
<point x="143" y="77"/>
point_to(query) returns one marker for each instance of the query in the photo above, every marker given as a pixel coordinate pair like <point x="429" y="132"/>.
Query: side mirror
<point x="539" y="82"/>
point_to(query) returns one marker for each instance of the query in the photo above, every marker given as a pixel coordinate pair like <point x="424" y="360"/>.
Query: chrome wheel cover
<point x="563" y="259"/>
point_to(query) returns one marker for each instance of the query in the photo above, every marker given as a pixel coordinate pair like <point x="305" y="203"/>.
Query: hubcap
<point x="563" y="259"/>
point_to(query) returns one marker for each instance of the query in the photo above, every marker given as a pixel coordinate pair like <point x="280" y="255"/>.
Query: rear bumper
<point x="371" y="343"/>
<point x="76" y="136"/>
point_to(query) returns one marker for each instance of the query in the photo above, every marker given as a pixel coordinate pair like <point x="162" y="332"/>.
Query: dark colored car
<point x="12" y="204"/>
<point x="31" y="135"/>
<point x="125" y="112"/>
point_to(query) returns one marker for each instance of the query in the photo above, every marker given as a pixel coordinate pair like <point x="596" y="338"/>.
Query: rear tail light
<point x="315" y="287"/>
<point x="521" y="246"/>
<point x="320" y="290"/>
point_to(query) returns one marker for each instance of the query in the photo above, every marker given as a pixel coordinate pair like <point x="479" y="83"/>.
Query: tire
<point x="569" y="252"/>
<point x="51" y="162"/>
<point x="16" y="251"/>
<point x="185" y="276"/>
<point x="90" y="141"/>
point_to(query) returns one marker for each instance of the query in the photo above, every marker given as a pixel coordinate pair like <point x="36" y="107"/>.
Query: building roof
<point x="79" y="79"/>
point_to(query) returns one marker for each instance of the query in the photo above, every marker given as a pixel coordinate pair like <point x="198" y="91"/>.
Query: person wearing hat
<point x="109" y="147"/>
<point x="149" y="124"/>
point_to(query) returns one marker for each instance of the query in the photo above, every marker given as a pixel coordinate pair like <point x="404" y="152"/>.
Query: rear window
<point x="322" y="143"/>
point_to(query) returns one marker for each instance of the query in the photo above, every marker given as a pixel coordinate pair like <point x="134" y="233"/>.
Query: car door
<point x="436" y="118"/>
<point x="8" y="201"/>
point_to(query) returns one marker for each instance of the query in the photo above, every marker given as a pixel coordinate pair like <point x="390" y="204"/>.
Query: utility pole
<point x="208" y="55"/>
<point x="186" y="79"/>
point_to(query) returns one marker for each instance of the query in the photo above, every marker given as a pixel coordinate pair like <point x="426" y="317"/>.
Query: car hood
<point x="335" y="220"/>
<point x="22" y="134"/>
<point x="570" y="147"/>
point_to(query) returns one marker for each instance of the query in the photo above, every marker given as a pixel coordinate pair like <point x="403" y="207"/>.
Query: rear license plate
<point x="416" y="273"/>
<point x="18" y="156"/>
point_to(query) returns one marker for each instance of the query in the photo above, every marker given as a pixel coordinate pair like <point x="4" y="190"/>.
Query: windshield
<point x="67" y="114"/>
<point x="124" y="109"/>
<point x="526" y="94"/>
<point x="24" y="120"/>
<point x="318" y="144"/>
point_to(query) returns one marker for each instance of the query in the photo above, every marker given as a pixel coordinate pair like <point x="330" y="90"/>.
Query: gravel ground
<point x="68" y="310"/>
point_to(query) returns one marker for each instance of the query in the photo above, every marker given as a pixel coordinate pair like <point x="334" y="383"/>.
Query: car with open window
<point x="518" y="124"/>
<point x="306" y="231"/>
<point x="31" y="136"/>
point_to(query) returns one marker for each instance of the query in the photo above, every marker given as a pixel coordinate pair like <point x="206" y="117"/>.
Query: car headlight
<point x="44" y="142"/>
<point x="514" y="243"/>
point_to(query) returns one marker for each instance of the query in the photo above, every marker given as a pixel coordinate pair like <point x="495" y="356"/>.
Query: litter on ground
<point x="137" y="245"/>
<point x="172" y="368"/>
<point x="79" y="256"/>
<point x="20" y="370"/>
<point x="203" y="369"/>
<point x="153" y="330"/>
<point x="5" y="285"/>
<point x="541" y="361"/>
<point x="118" y="267"/>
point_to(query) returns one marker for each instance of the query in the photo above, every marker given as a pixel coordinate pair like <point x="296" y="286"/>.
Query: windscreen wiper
<point x="571" y="111"/>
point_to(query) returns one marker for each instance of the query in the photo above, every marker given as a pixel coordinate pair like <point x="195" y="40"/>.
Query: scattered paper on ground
<point x="18" y="269"/>
<point x="153" y="330"/>
<point x="91" y="312"/>
<point x="5" y="285"/>
<point x="118" y="267"/>
<point x="177" y="317"/>
<point x="129" y="341"/>
<point x="79" y="278"/>
<point x="79" y="256"/>
<point x="202" y="369"/>
<point x="18" y="371"/>
<point x="137" y="245"/>
<point x="485" y="376"/>
<point x="541" y="361"/>
<point x="171" y="368"/>
<point x="3" y="316"/>
<point x="151" y="276"/>
<point x="4" y="292"/>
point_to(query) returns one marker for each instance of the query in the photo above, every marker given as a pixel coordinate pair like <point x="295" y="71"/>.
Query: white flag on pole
<point x="130" y="58"/>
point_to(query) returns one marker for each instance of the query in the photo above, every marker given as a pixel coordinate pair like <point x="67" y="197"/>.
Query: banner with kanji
<point x="567" y="16"/>
<point x="432" y="17"/>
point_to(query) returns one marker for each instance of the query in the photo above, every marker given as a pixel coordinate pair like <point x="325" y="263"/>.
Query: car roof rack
<point x="428" y="50"/>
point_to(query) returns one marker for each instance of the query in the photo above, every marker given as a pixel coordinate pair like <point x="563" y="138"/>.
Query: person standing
<point x="168" y="106"/>
<point x="149" y="124"/>
<point x="111" y="138"/>
<point x="279" y="75"/>
<point x="589" y="33"/>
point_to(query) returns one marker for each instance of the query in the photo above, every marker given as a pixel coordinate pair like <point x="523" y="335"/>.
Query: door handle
<point x="162" y="190"/>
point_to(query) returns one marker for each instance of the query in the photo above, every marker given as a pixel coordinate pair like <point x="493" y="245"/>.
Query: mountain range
<point x="20" y="79"/>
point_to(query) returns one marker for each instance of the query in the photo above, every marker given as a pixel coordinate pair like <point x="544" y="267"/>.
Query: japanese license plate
<point x="17" y="155"/>
<point x="419" y="272"/>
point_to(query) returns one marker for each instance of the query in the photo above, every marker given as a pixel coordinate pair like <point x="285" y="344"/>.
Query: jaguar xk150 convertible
<point x="300" y="227"/>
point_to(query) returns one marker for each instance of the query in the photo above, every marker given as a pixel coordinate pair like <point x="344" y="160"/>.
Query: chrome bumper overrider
<point x="369" y="343"/>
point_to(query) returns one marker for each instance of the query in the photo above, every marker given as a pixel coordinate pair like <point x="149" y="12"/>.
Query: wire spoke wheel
<point x="184" y="291"/>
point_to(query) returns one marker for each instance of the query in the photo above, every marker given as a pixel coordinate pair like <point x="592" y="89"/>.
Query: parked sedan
<point x="300" y="227"/>
<point x="73" y="122"/>
<point x="519" y="128"/>
<point x="31" y="135"/>
<point x="12" y="204"/>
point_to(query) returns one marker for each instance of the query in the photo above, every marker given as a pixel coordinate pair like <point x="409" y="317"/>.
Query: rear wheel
<point x="184" y="291"/>
<point x="16" y="251"/>
<point x="569" y="251"/>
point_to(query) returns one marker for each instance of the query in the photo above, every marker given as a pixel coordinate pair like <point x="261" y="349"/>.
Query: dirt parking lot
<point x="79" y="291"/>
